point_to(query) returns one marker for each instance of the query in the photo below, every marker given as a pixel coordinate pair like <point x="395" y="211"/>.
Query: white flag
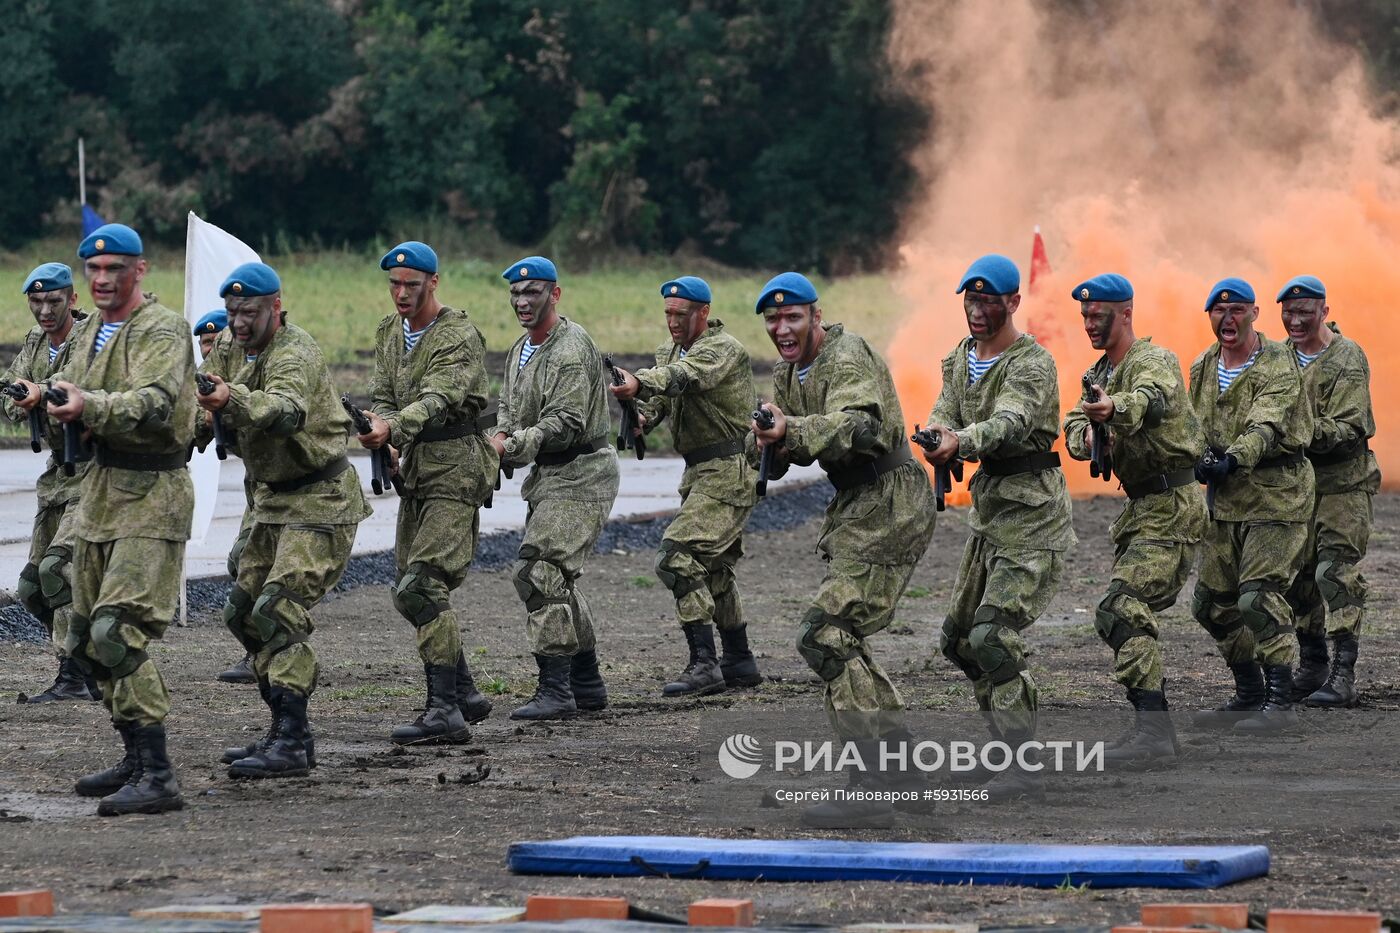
<point x="210" y="255"/>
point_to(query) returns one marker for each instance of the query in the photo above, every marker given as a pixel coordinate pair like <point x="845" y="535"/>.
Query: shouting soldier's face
<point x="988" y="314"/>
<point x="533" y="302"/>
<point x="1233" y="323"/>
<point x="1304" y="318"/>
<point x="115" y="281"/>
<point x="253" y="321"/>
<point x="53" y="311"/>
<point x="411" y="290"/>
<point x="793" y="330"/>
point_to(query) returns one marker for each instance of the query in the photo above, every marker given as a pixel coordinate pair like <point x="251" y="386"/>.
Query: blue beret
<point x="251" y="280"/>
<point x="1302" y="286"/>
<point x="115" y="239"/>
<point x="212" y="323"/>
<point x="49" y="277"/>
<point x="531" y="267"/>
<point x="1230" y="290"/>
<point x="993" y="274"/>
<point x="690" y="287"/>
<point x="787" y="288"/>
<point x="411" y="255"/>
<point x="1108" y="286"/>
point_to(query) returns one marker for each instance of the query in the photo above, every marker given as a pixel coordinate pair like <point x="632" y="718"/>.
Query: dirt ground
<point x="403" y="829"/>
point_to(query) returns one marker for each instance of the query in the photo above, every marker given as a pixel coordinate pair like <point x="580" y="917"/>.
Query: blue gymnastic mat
<point x="1041" y="866"/>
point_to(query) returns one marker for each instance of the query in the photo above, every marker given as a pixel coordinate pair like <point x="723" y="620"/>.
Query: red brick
<point x="722" y="912"/>
<point x="1323" y="921"/>
<point x="552" y="907"/>
<point x="1229" y="916"/>
<point x="38" y="903"/>
<point x="317" y="918"/>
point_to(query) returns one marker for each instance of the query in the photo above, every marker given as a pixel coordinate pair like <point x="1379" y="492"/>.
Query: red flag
<point x="1040" y="263"/>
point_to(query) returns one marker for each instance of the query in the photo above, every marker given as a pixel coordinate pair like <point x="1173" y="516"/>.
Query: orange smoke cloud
<point x="1174" y="143"/>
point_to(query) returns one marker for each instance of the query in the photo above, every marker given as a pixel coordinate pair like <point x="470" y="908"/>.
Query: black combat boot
<point x="1152" y="742"/>
<point x="474" y="706"/>
<point x="702" y="675"/>
<point x="285" y="755"/>
<point x="240" y="673"/>
<point x="1249" y="696"/>
<point x="236" y="752"/>
<point x="102" y="783"/>
<point x="845" y="809"/>
<point x="441" y="721"/>
<point x="152" y="787"/>
<point x="979" y="774"/>
<point x="590" y="693"/>
<point x="1277" y="714"/>
<point x="1018" y="782"/>
<point x="1312" y="665"/>
<point x="1340" y="690"/>
<point x="901" y="775"/>
<point x="554" y="696"/>
<point x="70" y="684"/>
<point x="738" y="664"/>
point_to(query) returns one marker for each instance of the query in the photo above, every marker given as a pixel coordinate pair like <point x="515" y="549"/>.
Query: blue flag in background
<point x="91" y="220"/>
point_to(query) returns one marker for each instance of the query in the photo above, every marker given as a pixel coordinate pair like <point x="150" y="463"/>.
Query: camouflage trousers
<point x="1329" y="594"/>
<point x="245" y="528"/>
<point x="46" y="581"/>
<point x="434" y="546"/>
<point x="125" y="593"/>
<point x="1000" y="591"/>
<point x="559" y="536"/>
<point x="283" y="571"/>
<point x="696" y="560"/>
<point x="1246" y="567"/>
<point x="1147" y="576"/>
<point x="854" y="601"/>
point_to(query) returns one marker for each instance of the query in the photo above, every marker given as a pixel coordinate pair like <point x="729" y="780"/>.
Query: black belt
<point x="569" y="455"/>
<point x="1160" y="483"/>
<point x="329" y="471"/>
<point x="867" y="473"/>
<point x="714" y="451"/>
<point x="149" y="463"/>
<point x="1280" y="461"/>
<point x="1030" y="463"/>
<point x="448" y="432"/>
<point x="1340" y="456"/>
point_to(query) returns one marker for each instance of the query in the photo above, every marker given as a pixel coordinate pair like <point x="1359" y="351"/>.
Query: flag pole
<point x="82" y="173"/>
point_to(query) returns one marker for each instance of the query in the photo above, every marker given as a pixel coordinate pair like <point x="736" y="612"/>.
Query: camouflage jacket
<point x="1153" y="430"/>
<point x="32" y="363"/>
<point x="138" y="399"/>
<point x="1267" y="412"/>
<point x="1340" y="379"/>
<point x="289" y="423"/>
<point x="441" y="383"/>
<point x="709" y="396"/>
<point x="845" y="414"/>
<point x="1012" y="411"/>
<point x="557" y="401"/>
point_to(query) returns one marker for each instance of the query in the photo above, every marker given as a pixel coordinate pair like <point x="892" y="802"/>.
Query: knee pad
<point x="1252" y="611"/>
<point x="995" y="658"/>
<point x="1330" y="586"/>
<point x="413" y="594"/>
<point x="948" y="645"/>
<point x="53" y="578"/>
<point x="1114" y="625"/>
<point x="237" y="608"/>
<point x="829" y="661"/>
<point x="272" y="630"/>
<point x="107" y="646"/>
<point x="671" y="567"/>
<point x="31" y="594"/>
<point x="540" y="583"/>
<point x="235" y="555"/>
<point x="1203" y="600"/>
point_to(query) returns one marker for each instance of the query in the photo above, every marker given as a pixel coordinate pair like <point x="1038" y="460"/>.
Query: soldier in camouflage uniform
<point x="130" y="381"/>
<point x="45" y="583"/>
<point x="1258" y="420"/>
<point x="703" y="381"/>
<point x="1329" y="594"/>
<point x="554" y="414"/>
<point x="1155" y="438"/>
<point x="835" y="404"/>
<point x="427" y="397"/>
<point x="999" y="405"/>
<point x="272" y="387"/>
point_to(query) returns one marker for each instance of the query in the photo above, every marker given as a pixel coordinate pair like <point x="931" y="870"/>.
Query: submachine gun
<point x="943" y="473"/>
<point x="382" y="474"/>
<point x="1100" y="454"/>
<point x="628" y="435"/>
<point x="206" y="387"/>
<point x="72" y="432"/>
<point x="36" y="416"/>
<point x="764" y="419"/>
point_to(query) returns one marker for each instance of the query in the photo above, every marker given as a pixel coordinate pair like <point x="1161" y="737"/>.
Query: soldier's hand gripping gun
<point x="381" y="469"/>
<point x="943" y="473"/>
<point x="1209" y="459"/>
<point x="764" y="419"/>
<point x="72" y="431"/>
<point x="206" y="387"/>
<point x="36" y="414"/>
<point x="628" y="433"/>
<point x="1100" y="454"/>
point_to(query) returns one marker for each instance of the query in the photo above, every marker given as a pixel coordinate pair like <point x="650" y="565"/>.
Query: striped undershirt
<point x="682" y="352"/>
<point x="105" y="333"/>
<point x="1225" y="376"/>
<point x="410" y="337"/>
<point x="976" y="368"/>
<point x="54" y="351"/>
<point x="1303" y="358"/>
<point x="527" y="351"/>
<point x="802" y="373"/>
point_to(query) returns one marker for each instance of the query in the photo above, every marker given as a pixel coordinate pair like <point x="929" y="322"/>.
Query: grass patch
<point x="642" y="583"/>
<point x="375" y="692"/>
<point x="918" y="592"/>
<point x="496" y="686"/>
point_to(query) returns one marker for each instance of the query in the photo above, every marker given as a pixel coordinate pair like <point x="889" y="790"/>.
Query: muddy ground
<point x="405" y="829"/>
